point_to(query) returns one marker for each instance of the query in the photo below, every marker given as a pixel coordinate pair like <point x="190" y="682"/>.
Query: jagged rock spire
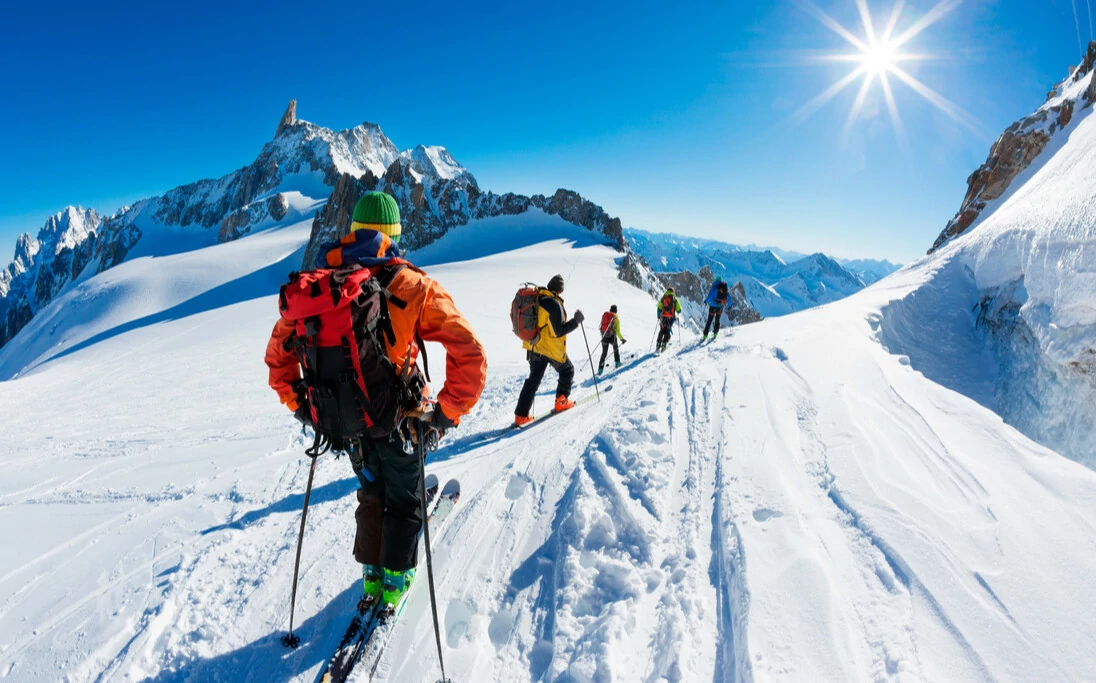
<point x="288" y="118"/>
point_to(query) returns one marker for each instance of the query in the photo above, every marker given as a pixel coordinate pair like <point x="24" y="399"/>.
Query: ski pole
<point x="590" y="355"/>
<point x="291" y="640"/>
<point x="426" y="538"/>
<point x="653" y="335"/>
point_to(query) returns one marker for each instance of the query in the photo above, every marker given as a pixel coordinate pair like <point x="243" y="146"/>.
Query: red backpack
<point x="606" y="321"/>
<point x="341" y="328"/>
<point x="668" y="306"/>
<point x="525" y="313"/>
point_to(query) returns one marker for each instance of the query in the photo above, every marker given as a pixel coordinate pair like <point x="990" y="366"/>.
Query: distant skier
<point x="610" y="333"/>
<point x="718" y="296"/>
<point x="549" y="349"/>
<point x="361" y="387"/>
<point x="668" y="308"/>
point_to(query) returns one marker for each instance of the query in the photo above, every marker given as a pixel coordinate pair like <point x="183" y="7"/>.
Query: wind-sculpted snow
<point x="1021" y="283"/>
<point x="793" y="502"/>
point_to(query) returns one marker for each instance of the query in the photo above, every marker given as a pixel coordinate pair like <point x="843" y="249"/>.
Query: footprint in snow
<point x="516" y="486"/>
<point x="764" y="514"/>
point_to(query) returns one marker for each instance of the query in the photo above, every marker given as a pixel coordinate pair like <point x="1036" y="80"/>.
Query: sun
<point x="878" y="58"/>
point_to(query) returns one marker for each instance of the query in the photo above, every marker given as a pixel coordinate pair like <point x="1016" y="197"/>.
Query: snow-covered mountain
<point x="774" y="286"/>
<point x="306" y="169"/>
<point x="44" y="264"/>
<point x="868" y="270"/>
<point x="1009" y="316"/>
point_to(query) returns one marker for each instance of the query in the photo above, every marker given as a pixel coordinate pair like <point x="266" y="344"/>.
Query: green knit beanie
<point x="377" y="211"/>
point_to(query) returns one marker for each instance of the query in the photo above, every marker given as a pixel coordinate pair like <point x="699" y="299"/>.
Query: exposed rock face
<point x="288" y="118"/>
<point x="635" y="271"/>
<point x="241" y="221"/>
<point x="689" y="285"/>
<point x="1018" y="147"/>
<point x="740" y="312"/>
<point x="430" y="206"/>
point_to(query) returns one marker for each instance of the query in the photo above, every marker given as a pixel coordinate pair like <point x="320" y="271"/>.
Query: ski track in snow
<point x="752" y="509"/>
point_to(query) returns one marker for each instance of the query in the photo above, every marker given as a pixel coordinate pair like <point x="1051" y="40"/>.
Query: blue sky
<point x="673" y="116"/>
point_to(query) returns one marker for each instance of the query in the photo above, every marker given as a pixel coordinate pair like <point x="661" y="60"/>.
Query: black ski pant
<point x="537" y="365"/>
<point x="714" y="314"/>
<point x="665" y="331"/>
<point x="605" y="343"/>
<point x="389" y="515"/>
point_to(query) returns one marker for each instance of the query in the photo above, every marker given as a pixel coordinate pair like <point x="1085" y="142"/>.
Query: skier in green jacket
<point x="668" y="308"/>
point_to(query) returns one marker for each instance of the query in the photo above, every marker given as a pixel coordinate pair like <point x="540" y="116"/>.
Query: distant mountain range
<point x="308" y="172"/>
<point x="776" y="282"/>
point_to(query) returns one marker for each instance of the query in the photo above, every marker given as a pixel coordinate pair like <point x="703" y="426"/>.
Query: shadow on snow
<point x="266" y="659"/>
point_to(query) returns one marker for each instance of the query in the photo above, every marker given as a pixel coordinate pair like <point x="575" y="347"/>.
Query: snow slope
<point x="1019" y="287"/>
<point x="791" y="503"/>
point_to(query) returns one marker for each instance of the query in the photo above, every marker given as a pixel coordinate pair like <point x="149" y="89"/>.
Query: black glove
<point x="303" y="413"/>
<point x="435" y="423"/>
<point x="579" y="317"/>
<point x="623" y="342"/>
<point x="439" y="420"/>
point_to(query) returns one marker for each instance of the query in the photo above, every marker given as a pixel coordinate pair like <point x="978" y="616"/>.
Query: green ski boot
<point x="372" y="581"/>
<point x="396" y="585"/>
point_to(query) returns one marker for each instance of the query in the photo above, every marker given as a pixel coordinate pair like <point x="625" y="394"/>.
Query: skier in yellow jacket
<point x="549" y="349"/>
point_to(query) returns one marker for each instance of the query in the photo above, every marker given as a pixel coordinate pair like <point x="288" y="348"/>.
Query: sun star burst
<point x="878" y="56"/>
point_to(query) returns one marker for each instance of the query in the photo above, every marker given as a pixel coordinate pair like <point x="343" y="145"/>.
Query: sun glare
<point x="877" y="57"/>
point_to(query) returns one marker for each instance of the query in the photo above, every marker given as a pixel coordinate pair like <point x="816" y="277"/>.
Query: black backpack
<point x="722" y="293"/>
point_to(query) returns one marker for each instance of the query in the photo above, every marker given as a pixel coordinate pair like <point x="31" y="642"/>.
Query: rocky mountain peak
<point x="289" y="118"/>
<point x="1021" y="144"/>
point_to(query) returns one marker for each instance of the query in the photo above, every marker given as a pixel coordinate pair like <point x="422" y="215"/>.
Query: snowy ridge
<point x="435" y="162"/>
<point x="1023" y="148"/>
<point x="1020" y="282"/>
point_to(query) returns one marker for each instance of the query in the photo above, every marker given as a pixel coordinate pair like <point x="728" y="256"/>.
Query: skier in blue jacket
<point x="718" y="296"/>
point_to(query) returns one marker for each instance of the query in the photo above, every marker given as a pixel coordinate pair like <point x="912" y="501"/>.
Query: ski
<point x="387" y="618"/>
<point x="514" y="429"/>
<point x="363" y="623"/>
